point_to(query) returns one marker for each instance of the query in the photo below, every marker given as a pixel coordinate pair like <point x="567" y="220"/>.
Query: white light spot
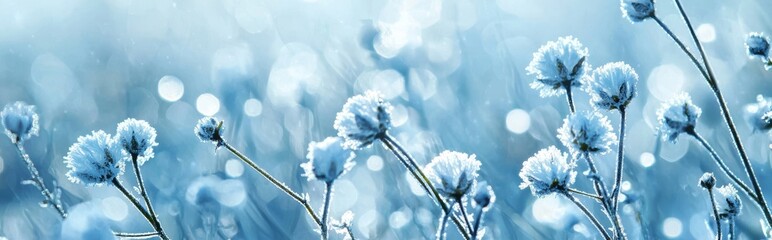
<point x="375" y="163"/>
<point x="170" y="88"/>
<point x="666" y="81"/>
<point x="626" y="186"/>
<point x="706" y="33"/>
<point x="253" y="107"/>
<point x="518" y="121"/>
<point x="115" y="208"/>
<point x="647" y="159"/>
<point x="234" y="168"/>
<point x="207" y="104"/>
<point x="672" y="227"/>
<point x="399" y="219"/>
<point x="399" y="115"/>
<point x="2" y="164"/>
<point x="231" y="192"/>
<point x="549" y="210"/>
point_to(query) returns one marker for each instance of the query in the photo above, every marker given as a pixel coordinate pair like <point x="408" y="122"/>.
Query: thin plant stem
<point x="39" y="183"/>
<point x="350" y="232"/>
<point x="463" y="213"/>
<point x="139" y="207"/>
<point x="569" y="97"/>
<point x="477" y="221"/>
<point x="136" y="235"/>
<point x="696" y="41"/>
<point x="326" y="210"/>
<point x="731" y="229"/>
<point x="303" y="201"/>
<point x="600" y="188"/>
<point x="620" y="160"/>
<point x="421" y="177"/>
<point x="586" y="194"/>
<point x="682" y="46"/>
<point x="715" y="213"/>
<point x="589" y="215"/>
<point x="143" y="192"/>
<point x="407" y="165"/>
<point x="445" y="215"/>
<point x="722" y="165"/>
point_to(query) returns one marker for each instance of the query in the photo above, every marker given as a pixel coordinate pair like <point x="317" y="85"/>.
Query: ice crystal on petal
<point x="327" y="160"/>
<point x="548" y="171"/>
<point x="676" y="116"/>
<point x="95" y="159"/>
<point x="557" y="65"/>
<point x="20" y="121"/>
<point x="453" y="173"/>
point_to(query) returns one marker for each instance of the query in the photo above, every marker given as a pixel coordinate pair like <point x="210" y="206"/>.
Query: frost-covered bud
<point x="341" y="226"/>
<point x="364" y="119"/>
<point x="586" y="133"/>
<point x="20" y="121"/>
<point x="327" y="160"/>
<point x="208" y="129"/>
<point x="728" y="202"/>
<point x="708" y="181"/>
<point x="676" y="116"/>
<point x="484" y="195"/>
<point x="453" y="173"/>
<point x="137" y="138"/>
<point x="757" y="45"/>
<point x="612" y="86"/>
<point x="558" y="65"/>
<point x="637" y="10"/>
<point x="95" y="159"/>
<point x="755" y="114"/>
<point x="548" y="171"/>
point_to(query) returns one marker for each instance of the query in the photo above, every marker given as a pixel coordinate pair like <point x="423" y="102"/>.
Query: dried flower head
<point x="20" y="121"/>
<point x="708" y="181"/>
<point x="364" y="119"/>
<point x="676" y="116"/>
<point x="453" y="173"/>
<point x="548" y="171"/>
<point x="137" y="138"/>
<point x="755" y="114"/>
<point x="95" y="159"/>
<point x="586" y="133"/>
<point x="209" y="129"/>
<point x="327" y="160"/>
<point x="484" y="196"/>
<point x="637" y="10"/>
<point x="728" y="202"/>
<point x="757" y="45"/>
<point x="612" y="86"/>
<point x="558" y="65"/>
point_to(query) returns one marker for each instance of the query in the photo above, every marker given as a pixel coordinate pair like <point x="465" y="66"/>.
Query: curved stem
<point x="620" y="161"/>
<point x="722" y="165"/>
<point x="696" y="41"/>
<point x="569" y="97"/>
<point x="39" y="183"/>
<point x="139" y="207"/>
<point x="731" y="229"/>
<point x="601" y="190"/>
<point x="326" y="210"/>
<point x="683" y="47"/>
<point x="136" y="235"/>
<point x="477" y="222"/>
<point x="443" y="223"/>
<point x="588" y="214"/>
<point x="715" y="213"/>
<point x="421" y="177"/>
<point x="586" y="194"/>
<point x="303" y="201"/>
<point x="350" y="233"/>
<point x="143" y="192"/>
<point x="463" y="213"/>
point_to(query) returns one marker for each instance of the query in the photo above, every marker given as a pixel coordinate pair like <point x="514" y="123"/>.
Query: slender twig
<point x="302" y="200"/>
<point x="136" y="235"/>
<point x="586" y="194"/>
<point x="477" y="221"/>
<point x="39" y="183"/>
<point x="588" y="214"/>
<point x="715" y="212"/>
<point x="722" y="165"/>
<point x="601" y="190"/>
<point x="569" y="97"/>
<point x="421" y="177"/>
<point x="143" y="192"/>
<point x="444" y="222"/>
<point x="620" y="161"/>
<point x="326" y="210"/>
<point x="139" y="207"/>
<point x="705" y="62"/>
<point x="402" y="159"/>
<point x="350" y="232"/>
<point x="683" y="47"/>
<point x="463" y="213"/>
<point x="731" y="229"/>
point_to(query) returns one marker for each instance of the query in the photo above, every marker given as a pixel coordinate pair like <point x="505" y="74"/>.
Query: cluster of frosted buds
<point x="20" y="121"/>
<point x="364" y="119"/>
<point x="759" y="115"/>
<point x="548" y="171"/>
<point x="95" y="159"/>
<point x="612" y="86"/>
<point x="728" y="202"/>
<point x="137" y="138"/>
<point x="679" y="115"/>
<point x="587" y="133"/>
<point x="453" y="173"/>
<point x="327" y="160"/>
<point x="637" y="10"/>
<point x="558" y="65"/>
<point x="757" y="46"/>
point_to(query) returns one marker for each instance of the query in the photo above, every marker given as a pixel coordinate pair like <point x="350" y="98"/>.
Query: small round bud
<point x="708" y="181"/>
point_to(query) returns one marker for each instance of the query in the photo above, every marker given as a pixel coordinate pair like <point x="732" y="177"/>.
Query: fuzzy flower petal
<point x="548" y="171"/>
<point x="679" y="115"/>
<point x="612" y="86"/>
<point x="453" y="173"/>
<point x="558" y="64"/>
<point x="137" y="138"/>
<point x="728" y="202"/>
<point x="95" y="159"/>
<point x="587" y="132"/>
<point x="208" y="129"/>
<point x="637" y="10"/>
<point x="363" y="119"/>
<point x="327" y="160"/>
<point x="754" y="114"/>
<point x="757" y="46"/>
<point x="20" y="121"/>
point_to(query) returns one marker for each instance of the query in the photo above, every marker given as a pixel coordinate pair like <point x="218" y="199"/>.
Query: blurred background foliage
<point x="278" y="71"/>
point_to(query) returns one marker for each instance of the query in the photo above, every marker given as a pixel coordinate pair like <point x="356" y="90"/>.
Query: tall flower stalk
<point x="708" y="181"/>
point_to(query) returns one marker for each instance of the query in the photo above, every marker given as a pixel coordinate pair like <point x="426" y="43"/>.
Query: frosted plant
<point x="95" y="159"/>
<point x="559" y="66"/>
<point x="20" y="121"/>
<point x="327" y="160"/>
<point x="637" y="10"/>
<point x="364" y="119"/>
<point x="707" y="181"/>
<point x="728" y="202"/>
<point x="483" y="198"/>
<point x="676" y="116"/>
<point x="612" y="86"/>
<point x="757" y="114"/>
<point x="137" y="138"/>
<point x="343" y="226"/>
<point x="757" y="46"/>
<point x="209" y="129"/>
<point x="548" y="171"/>
<point x="454" y="173"/>
<point x="587" y="133"/>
